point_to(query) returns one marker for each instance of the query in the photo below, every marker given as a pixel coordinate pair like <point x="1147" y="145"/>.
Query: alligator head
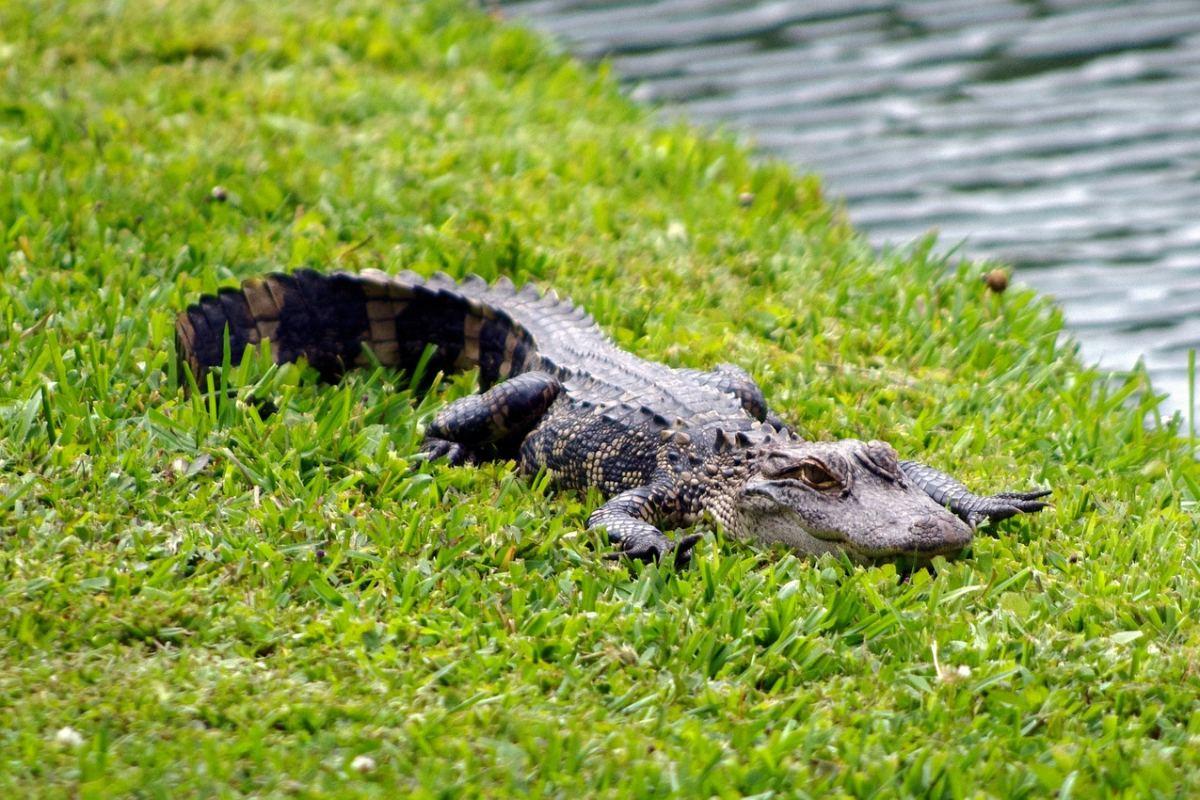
<point x="846" y="496"/>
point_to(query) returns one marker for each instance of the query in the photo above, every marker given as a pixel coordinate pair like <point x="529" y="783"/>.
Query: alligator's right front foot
<point x="454" y="453"/>
<point x="626" y="520"/>
<point x="652" y="545"/>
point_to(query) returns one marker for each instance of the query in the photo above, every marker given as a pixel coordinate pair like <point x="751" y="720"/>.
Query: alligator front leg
<point x="626" y="519"/>
<point x="970" y="507"/>
<point x="491" y="425"/>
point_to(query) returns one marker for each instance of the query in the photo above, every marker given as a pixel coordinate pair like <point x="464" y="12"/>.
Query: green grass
<point x="218" y="604"/>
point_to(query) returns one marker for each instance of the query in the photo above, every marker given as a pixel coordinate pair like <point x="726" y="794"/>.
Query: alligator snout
<point x="933" y="534"/>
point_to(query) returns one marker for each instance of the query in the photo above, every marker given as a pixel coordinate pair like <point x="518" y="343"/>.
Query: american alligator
<point x="665" y="446"/>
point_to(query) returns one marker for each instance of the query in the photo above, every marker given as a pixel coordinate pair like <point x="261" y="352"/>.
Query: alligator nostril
<point x="939" y="533"/>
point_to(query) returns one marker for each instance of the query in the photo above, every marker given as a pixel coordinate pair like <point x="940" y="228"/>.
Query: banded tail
<point x="331" y="319"/>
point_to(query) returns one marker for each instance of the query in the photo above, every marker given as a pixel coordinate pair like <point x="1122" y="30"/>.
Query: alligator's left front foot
<point x="996" y="507"/>
<point x="970" y="507"/>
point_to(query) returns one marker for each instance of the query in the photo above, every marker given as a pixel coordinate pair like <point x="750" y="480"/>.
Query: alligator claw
<point x="683" y="550"/>
<point x="453" y="452"/>
<point x="644" y="548"/>
<point x="1003" y="505"/>
<point x="1024" y="496"/>
<point x="650" y="548"/>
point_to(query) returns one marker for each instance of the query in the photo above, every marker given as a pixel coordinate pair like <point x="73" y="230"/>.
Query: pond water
<point x="1059" y="136"/>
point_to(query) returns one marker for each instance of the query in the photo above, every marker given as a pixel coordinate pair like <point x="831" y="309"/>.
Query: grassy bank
<point x="195" y="601"/>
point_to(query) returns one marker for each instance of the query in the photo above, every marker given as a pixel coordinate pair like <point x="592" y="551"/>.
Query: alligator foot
<point x="648" y="547"/>
<point x="993" y="508"/>
<point x="453" y="452"/>
<point x="624" y="519"/>
<point x="970" y="507"/>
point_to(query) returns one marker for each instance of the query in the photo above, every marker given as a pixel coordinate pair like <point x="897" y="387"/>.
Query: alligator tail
<point x="332" y="320"/>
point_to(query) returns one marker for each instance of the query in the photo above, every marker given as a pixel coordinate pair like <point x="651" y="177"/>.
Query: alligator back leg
<point x="492" y="424"/>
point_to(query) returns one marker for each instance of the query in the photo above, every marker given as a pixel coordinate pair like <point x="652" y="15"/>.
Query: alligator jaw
<point x="884" y="544"/>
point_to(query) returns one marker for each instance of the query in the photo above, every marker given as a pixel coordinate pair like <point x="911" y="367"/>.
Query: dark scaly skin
<point x="665" y="446"/>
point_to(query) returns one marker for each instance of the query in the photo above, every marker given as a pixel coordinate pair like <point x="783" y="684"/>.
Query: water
<point x="1060" y="136"/>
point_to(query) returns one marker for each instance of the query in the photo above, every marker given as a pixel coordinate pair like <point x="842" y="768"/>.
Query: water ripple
<point x="1062" y="136"/>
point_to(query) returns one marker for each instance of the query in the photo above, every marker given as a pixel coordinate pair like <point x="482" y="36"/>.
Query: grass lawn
<point x="195" y="601"/>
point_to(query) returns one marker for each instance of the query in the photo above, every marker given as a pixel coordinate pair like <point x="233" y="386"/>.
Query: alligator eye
<point x="816" y="476"/>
